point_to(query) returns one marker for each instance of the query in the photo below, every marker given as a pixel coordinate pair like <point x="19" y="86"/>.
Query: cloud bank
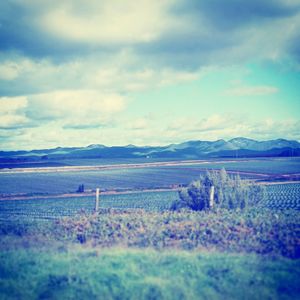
<point x="78" y="69"/>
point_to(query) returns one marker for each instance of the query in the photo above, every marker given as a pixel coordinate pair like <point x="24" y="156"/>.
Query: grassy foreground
<point x="144" y="274"/>
<point x="252" y="254"/>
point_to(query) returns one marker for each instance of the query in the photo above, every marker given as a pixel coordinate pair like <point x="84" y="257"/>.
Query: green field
<point x="145" y="274"/>
<point x="251" y="254"/>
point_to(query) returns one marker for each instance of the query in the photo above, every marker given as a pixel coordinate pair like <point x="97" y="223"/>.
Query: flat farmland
<point x="51" y="208"/>
<point x="270" y="166"/>
<point x="279" y="196"/>
<point x="141" y="177"/>
<point x="64" y="182"/>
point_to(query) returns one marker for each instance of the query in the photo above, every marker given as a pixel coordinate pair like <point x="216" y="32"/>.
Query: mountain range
<point x="237" y="147"/>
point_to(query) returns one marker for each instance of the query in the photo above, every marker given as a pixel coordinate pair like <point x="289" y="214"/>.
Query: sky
<point x="74" y="73"/>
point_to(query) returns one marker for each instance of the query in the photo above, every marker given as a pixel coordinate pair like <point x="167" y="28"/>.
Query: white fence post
<point x="97" y="200"/>
<point x="211" y="196"/>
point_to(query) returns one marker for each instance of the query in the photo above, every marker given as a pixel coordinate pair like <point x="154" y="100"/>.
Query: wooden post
<point x="211" y="196"/>
<point x="97" y="200"/>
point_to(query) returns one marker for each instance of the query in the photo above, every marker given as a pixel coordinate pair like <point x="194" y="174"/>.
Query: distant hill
<point x="237" y="147"/>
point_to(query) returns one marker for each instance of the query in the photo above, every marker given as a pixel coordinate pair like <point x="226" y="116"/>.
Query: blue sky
<point x="74" y="73"/>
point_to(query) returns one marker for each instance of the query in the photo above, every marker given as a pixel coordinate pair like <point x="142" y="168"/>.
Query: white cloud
<point x="8" y="71"/>
<point x="12" y="104"/>
<point x="198" y="126"/>
<point x="262" y="90"/>
<point x="12" y="112"/>
<point x="214" y="128"/>
<point x="12" y="121"/>
<point x="108" y="21"/>
<point x="118" y="73"/>
<point x="289" y="128"/>
<point x="212" y="123"/>
<point x="138" y="124"/>
<point x="75" y="107"/>
<point x="70" y="108"/>
<point x="169" y="76"/>
<point x="12" y="69"/>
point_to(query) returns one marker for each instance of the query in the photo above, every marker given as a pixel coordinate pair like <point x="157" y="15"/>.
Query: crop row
<point x="62" y="182"/>
<point x="278" y="197"/>
<point x="283" y="196"/>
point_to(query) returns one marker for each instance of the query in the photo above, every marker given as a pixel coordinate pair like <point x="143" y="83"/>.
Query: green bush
<point x="80" y="188"/>
<point x="230" y="192"/>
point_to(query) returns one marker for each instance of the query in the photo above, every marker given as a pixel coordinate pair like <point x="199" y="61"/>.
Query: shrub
<point x="229" y="192"/>
<point x="80" y="188"/>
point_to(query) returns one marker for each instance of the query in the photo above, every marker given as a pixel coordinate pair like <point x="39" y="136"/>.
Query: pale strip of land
<point x="117" y="166"/>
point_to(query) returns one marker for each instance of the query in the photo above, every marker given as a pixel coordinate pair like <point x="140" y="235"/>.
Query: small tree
<point x="229" y="192"/>
<point x="80" y="188"/>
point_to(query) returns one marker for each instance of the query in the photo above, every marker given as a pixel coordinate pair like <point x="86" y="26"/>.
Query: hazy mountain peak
<point x="241" y="139"/>
<point x="221" y="141"/>
<point x="94" y="146"/>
